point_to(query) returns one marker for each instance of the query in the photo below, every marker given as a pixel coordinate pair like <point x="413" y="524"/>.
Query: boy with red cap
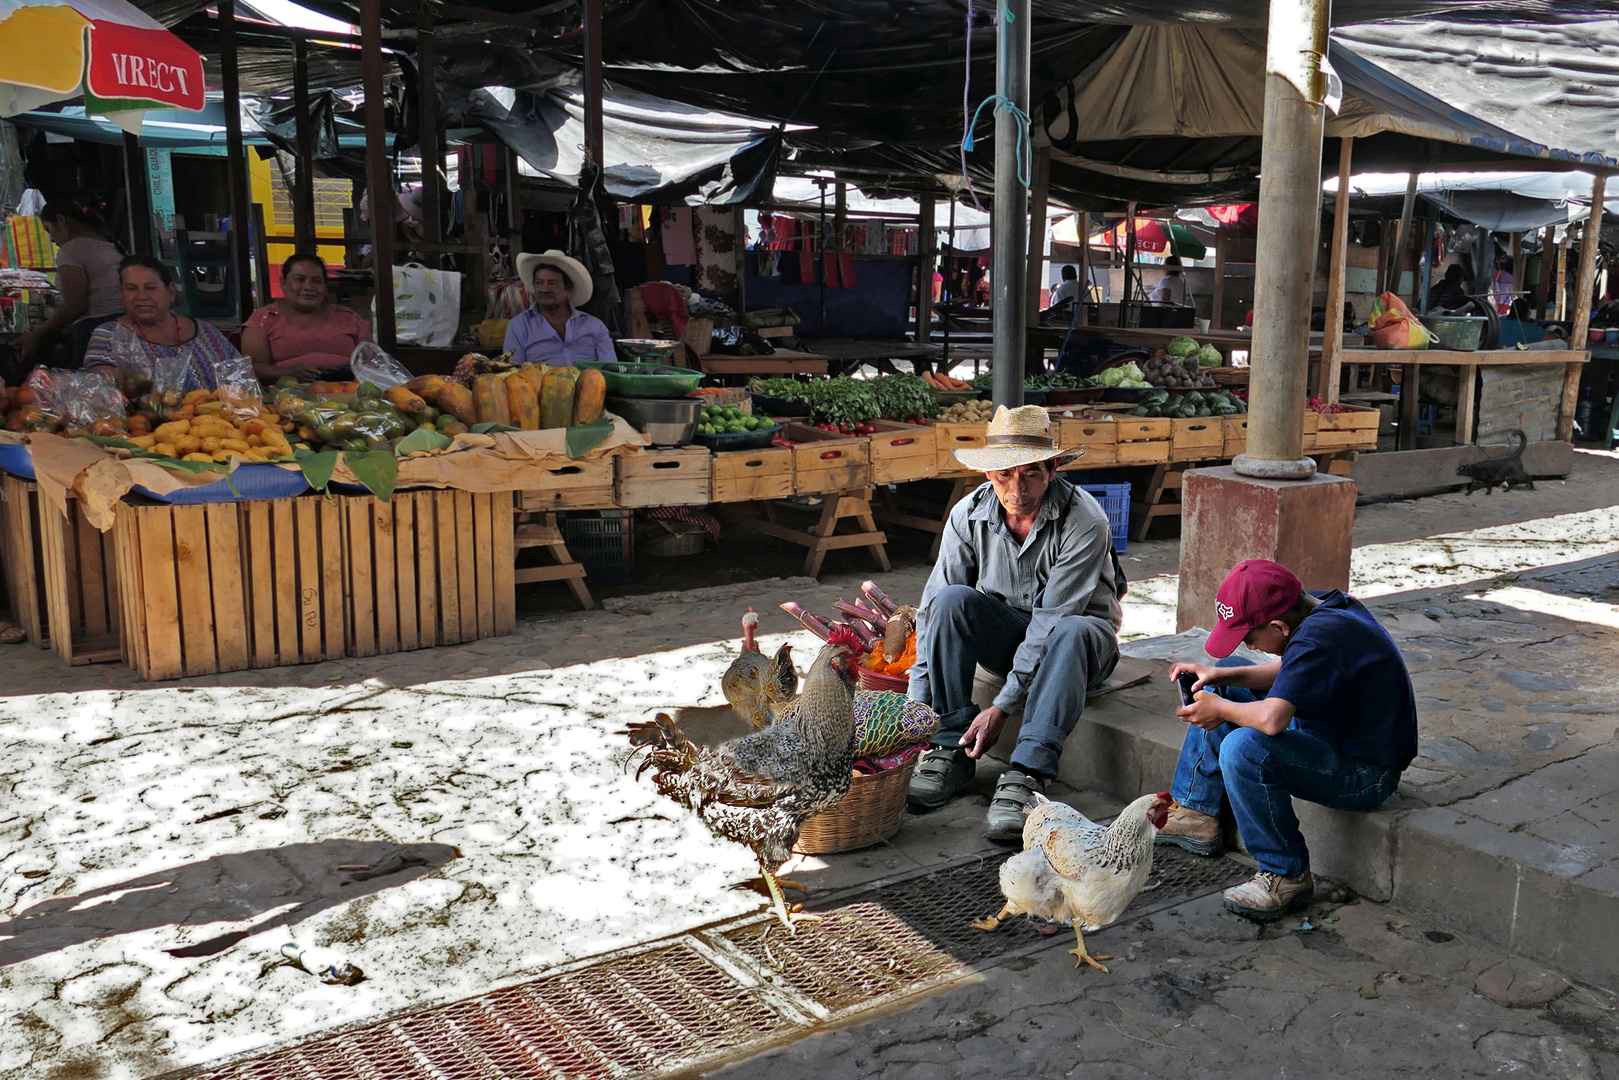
<point x="1333" y="721"/>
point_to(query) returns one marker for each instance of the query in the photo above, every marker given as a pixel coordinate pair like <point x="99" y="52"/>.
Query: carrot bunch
<point x="874" y="660"/>
<point x="945" y="382"/>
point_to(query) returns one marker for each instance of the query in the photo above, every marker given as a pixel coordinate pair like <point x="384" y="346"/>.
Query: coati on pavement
<point x="1507" y="471"/>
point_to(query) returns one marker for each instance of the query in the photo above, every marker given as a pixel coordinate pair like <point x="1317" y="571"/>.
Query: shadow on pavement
<point x="227" y="888"/>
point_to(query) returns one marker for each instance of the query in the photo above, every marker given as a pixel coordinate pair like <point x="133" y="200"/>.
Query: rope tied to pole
<point x="1002" y="103"/>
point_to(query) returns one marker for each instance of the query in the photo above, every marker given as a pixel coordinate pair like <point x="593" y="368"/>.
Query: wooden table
<point x="782" y="362"/>
<point x="1467" y="364"/>
<point x="1225" y="340"/>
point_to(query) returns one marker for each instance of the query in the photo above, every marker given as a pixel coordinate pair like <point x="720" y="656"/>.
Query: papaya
<point x="535" y="374"/>
<point x="589" y="396"/>
<point x="524" y="403"/>
<point x="489" y="400"/>
<point x="456" y="400"/>
<point x="556" y="400"/>
<point x="403" y="400"/>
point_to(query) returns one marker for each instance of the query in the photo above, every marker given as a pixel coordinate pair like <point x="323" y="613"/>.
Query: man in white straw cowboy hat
<point x="1026" y="585"/>
<point x="553" y="331"/>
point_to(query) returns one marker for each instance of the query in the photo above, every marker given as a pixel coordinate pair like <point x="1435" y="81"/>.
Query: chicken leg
<point x="1082" y="955"/>
<point x="779" y="903"/>
<point x="992" y="923"/>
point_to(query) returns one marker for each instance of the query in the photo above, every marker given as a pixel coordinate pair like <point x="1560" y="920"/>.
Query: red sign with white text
<point x="135" y="63"/>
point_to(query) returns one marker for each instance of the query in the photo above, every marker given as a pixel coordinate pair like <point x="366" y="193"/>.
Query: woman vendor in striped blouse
<point x="153" y="339"/>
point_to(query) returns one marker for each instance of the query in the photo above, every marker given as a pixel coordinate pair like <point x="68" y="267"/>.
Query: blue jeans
<point x="1260" y="774"/>
<point x="967" y="629"/>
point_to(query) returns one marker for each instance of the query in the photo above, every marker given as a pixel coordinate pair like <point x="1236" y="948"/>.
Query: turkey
<point x="1073" y="870"/>
<point x="759" y="790"/>
<point x="755" y="684"/>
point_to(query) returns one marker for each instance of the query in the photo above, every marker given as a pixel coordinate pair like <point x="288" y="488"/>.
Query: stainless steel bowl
<point x="665" y="421"/>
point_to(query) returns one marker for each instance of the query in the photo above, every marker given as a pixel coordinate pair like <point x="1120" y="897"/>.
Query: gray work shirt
<point x="1057" y="571"/>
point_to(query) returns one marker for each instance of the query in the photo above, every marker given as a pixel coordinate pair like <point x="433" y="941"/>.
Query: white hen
<point x="1073" y="870"/>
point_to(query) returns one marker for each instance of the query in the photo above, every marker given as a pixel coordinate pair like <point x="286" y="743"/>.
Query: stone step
<point x="1468" y="861"/>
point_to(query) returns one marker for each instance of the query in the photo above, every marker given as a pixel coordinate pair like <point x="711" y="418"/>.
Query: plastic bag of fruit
<point x="78" y="399"/>
<point x="371" y="364"/>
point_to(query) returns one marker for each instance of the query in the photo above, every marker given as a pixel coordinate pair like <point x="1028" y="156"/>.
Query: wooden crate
<point x="1196" y="438"/>
<point x="427" y="568"/>
<point x="953" y="437"/>
<point x="19" y="546"/>
<point x="678" y="477"/>
<point x="229" y="586"/>
<point x="1354" y="428"/>
<point x="81" y="587"/>
<point x="1154" y="452"/>
<point x="902" y="452"/>
<point x="825" y="462"/>
<point x="580" y="485"/>
<point x="1098" y="431"/>
<point x="750" y="475"/>
<point x="1144" y="428"/>
<point x="1235" y="435"/>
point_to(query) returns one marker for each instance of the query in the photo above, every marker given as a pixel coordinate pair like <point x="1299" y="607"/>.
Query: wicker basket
<point x="1229" y="376"/>
<point x="869" y="814"/>
<point x="877" y="680"/>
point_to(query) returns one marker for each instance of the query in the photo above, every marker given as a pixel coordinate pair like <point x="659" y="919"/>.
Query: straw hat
<point x="1020" y="436"/>
<point x="573" y="268"/>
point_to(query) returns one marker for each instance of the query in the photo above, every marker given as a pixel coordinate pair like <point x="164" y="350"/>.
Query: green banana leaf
<point x="378" y="470"/>
<point x="583" y="439"/>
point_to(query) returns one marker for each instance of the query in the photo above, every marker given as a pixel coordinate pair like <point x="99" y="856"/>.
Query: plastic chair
<point x="1425" y="419"/>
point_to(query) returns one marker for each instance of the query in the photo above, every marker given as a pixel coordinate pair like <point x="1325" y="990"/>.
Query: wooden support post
<point x="378" y="181"/>
<point x="593" y="82"/>
<point x="1590" y="236"/>
<point x="1537" y="299"/>
<point x="1467" y="401"/>
<point x="1218" y="321"/>
<point x="236" y="157"/>
<point x="1039" y="195"/>
<point x="1409" y="406"/>
<point x="1519" y="258"/>
<point x="1332" y="342"/>
<point x="302" y="186"/>
<point x="514" y="206"/>
<point x="138" y="196"/>
<point x="1428" y="239"/>
<point x="1561" y="293"/>
<point x="741" y="228"/>
<point x="431" y="147"/>
<point x="927" y="257"/>
<point x="1403" y="239"/>
<point x="1084" y="259"/>
<point x="261" y="252"/>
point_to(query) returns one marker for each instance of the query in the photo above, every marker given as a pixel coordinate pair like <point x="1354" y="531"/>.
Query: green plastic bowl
<point x="646" y="380"/>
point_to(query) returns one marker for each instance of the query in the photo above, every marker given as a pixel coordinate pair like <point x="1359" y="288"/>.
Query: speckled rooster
<point x="755" y="685"/>
<point x="759" y="790"/>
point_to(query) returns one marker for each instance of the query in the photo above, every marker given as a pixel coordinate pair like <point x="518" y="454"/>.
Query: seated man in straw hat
<point x="1026" y="585"/>
<point x="553" y="331"/>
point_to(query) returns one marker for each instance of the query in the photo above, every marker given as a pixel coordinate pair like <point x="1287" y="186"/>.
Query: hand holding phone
<point x="1186" y="680"/>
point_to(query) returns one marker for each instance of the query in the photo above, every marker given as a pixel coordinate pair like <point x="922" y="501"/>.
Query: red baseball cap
<point x="1254" y="593"/>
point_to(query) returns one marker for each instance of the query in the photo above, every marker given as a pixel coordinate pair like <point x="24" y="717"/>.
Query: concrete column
<point x="1289" y="213"/>
<point x="1225" y="518"/>
<point x="1009" y="226"/>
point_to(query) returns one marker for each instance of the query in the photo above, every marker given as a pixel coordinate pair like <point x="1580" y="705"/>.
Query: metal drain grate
<point x="640" y="1013"/>
<point x="712" y="994"/>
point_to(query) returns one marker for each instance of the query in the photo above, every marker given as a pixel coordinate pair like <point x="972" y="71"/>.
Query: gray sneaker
<point x="1012" y="792"/>
<point x="940" y="774"/>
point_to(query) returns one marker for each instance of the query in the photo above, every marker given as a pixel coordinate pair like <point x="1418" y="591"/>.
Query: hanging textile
<point x="717" y="249"/>
<point x="678" y="248"/>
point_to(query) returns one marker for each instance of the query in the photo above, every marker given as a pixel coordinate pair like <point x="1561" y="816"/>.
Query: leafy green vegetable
<point x="904" y="397"/>
<point x="842" y="400"/>
<point x="1180" y="348"/>
<point x="1209" y="356"/>
<point x="786" y="389"/>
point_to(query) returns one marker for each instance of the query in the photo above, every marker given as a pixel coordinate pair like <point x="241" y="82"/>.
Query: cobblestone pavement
<point x="1198" y="993"/>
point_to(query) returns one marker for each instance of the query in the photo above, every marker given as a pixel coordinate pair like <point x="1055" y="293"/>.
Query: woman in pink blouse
<point x="303" y="334"/>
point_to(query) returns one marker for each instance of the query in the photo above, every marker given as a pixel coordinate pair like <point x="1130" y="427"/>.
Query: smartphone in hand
<point x="1186" y="680"/>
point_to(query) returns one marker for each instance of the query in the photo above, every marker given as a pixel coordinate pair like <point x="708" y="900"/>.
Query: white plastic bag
<point x="427" y="305"/>
<point x="370" y="364"/>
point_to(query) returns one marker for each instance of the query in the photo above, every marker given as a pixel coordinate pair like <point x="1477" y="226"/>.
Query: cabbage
<point x="1181" y="347"/>
<point x="1132" y="373"/>
<point x="1209" y="356"/>
<point x="1111" y="376"/>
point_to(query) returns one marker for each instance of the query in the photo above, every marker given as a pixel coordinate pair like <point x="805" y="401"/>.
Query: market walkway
<point x="473" y="828"/>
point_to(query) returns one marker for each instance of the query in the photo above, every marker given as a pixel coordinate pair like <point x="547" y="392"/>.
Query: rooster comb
<point x="843" y="634"/>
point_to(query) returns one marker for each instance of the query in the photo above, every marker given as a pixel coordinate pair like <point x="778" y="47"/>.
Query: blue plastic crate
<point x="603" y="542"/>
<point x="1115" y="502"/>
<point x="250" y="482"/>
<point x="17" y="460"/>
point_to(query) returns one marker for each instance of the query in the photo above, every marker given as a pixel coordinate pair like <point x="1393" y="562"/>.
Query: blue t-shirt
<point x="1348" y="683"/>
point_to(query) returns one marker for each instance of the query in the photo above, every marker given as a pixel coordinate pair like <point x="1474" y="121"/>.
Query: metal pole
<point x="1009" y="228"/>
<point x="593" y="81"/>
<point x="927" y="240"/>
<point x="236" y="159"/>
<point x="947" y="294"/>
<point x="1289" y="220"/>
<point x="378" y="181"/>
<point x="303" y="190"/>
<point x="138" y="196"/>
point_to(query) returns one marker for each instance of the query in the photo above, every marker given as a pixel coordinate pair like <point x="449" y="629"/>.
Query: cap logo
<point x="1224" y="610"/>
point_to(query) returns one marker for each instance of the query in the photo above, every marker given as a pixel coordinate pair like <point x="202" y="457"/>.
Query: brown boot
<point x="1190" y="830"/>
<point x="1266" y="896"/>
